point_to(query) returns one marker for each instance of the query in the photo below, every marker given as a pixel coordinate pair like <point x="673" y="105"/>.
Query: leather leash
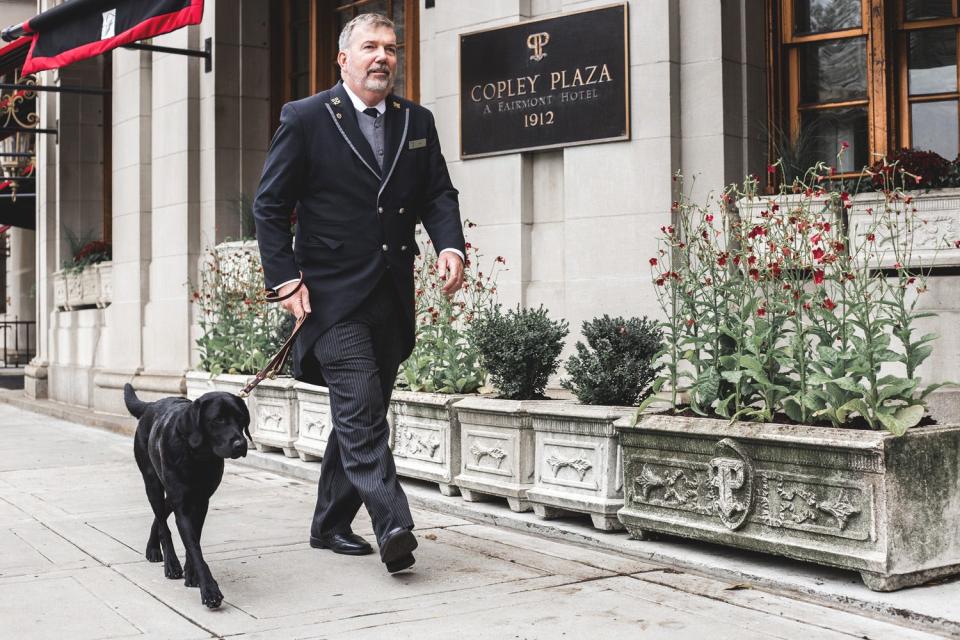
<point x="276" y="363"/>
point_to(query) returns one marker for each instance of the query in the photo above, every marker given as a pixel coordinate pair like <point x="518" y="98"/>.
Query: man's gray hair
<point x="363" y="20"/>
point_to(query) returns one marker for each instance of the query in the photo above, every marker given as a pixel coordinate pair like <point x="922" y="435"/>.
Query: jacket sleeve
<point x="441" y="211"/>
<point x="280" y="188"/>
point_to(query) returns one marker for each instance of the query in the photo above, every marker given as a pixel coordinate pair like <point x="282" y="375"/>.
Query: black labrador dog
<point x="180" y="447"/>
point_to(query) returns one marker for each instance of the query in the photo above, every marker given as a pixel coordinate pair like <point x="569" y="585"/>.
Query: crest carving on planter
<point x="410" y="442"/>
<point x="580" y="465"/>
<point x="496" y="454"/>
<point x="729" y="488"/>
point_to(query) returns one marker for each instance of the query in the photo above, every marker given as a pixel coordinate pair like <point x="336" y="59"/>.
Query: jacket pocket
<point x="330" y="243"/>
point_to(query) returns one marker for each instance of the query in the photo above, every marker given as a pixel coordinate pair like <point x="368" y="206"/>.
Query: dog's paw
<point x="154" y="554"/>
<point x="190" y="577"/>
<point x="210" y="595"/>
<point x="172" y="569"/>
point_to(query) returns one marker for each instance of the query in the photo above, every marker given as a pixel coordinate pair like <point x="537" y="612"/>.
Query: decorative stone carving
<point x="274" y="416"/>
<point x="313" y="421"/>
<point x="839" y="497"/>
<point x="495" y="453"/>
<point x="425" y="437"/>
<point x="578" y="464"/>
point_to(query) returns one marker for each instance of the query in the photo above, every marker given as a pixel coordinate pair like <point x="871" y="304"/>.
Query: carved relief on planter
<point x="313" y="421"/>
<point x="274" y="417"/>
<point x="729" y="489"/>
<point x="488" y="453"/>
<point x="569" y="464"/>
<point x="425" y="437"/>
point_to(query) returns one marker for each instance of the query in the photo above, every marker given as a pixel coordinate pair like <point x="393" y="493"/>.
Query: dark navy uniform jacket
<point x="355" y="222"/>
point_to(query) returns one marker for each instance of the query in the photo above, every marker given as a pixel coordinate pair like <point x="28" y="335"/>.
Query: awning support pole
<point x="45" y="87"/>
<point x="206" y="54"/>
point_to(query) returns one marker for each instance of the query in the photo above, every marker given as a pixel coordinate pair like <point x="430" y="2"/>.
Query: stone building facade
<point x="159" y="163"/>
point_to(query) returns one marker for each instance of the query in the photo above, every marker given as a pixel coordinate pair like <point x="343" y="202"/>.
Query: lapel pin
<point x="396" y="105"/>
<point x="339" y="115"/>
<point x="335" y="100"/>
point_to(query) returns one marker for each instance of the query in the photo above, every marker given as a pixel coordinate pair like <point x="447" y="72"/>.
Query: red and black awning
<point x="81" y="29"/>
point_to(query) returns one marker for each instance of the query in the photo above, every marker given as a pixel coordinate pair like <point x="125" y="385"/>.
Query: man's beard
<point x="373" y="83"/>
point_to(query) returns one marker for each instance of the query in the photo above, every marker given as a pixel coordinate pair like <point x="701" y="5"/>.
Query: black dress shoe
<point x="349" y="543"/>
<point x="396" y="550"/>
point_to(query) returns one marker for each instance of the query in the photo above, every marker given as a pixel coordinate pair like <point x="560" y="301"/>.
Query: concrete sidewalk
<point x="74" y="522"/>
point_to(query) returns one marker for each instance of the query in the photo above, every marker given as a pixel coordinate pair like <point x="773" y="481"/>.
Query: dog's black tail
<point x="135" y="405"/>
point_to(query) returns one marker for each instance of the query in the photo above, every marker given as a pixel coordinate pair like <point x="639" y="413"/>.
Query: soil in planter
<point x="858" y="423"/>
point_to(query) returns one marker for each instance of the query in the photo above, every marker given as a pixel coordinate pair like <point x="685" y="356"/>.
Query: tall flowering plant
<point x="240" y="330"/>
<point x="445" y="358"/>
<point x="782" y="307"/>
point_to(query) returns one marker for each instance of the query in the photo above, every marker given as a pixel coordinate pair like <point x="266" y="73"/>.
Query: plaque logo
<point x="536" y="42"/>
<point x="732" y="477"/>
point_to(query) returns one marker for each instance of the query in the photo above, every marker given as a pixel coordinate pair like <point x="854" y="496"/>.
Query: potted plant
<point x="443" y="367"/>
<point x="239" y="333"/>
<point x="804" y="432"/>
<point x="577" y="461"/>
<point x="81" y="275"/>
<point x="521" y="350"/>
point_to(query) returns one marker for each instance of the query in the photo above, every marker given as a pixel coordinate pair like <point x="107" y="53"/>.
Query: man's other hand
<point x="298" y="303"/>
<point x="450" y="266"/>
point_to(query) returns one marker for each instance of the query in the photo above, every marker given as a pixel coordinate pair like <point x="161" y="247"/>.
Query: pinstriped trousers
<point x="359" y="357"/>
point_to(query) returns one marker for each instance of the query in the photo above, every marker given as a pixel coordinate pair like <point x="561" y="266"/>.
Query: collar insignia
<point x="335" y="100"/>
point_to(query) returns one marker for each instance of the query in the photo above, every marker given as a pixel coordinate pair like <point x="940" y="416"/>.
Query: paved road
<point x="74" y="521"/>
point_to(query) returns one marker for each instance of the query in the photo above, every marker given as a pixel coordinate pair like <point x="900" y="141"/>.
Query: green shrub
<point x="616" y="366"/>
<point x="520" y="349"/>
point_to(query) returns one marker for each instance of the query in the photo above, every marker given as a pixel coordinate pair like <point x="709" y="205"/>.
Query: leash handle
<point x="276" y="363"/>
<point x="272" y="295"/>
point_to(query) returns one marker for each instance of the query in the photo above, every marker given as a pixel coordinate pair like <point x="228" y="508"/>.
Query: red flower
<point x="761" y="312"/>
<point x="829" y="304"/>
<point x="468" y="245"/>
<point x="689" y="322"/>
<point x="956" y="244"/>
<point x="818" y="254"/>
<point x="660" y="281"/>
<point x="754" y="274"/>
<point x="501" y="260"/>
<point x="756" y="231"/>
<point x="871" y="237"/>
<point x="844" y="145"/>
<point x="722" y="259"/>
<point x="771" y="169"/>
<point x="826" y="226"/>
<point x="709" y="217"/>
<point x="815" y="239"/>
<point x="818" y="276"/>
<point x="653" y="262"/>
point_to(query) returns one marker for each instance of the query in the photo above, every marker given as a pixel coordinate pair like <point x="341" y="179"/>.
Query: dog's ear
<point x="189" y="426"/>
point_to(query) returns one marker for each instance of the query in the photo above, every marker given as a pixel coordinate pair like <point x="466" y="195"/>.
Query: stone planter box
<point x="104" y="284"/>
<point x="74" y="289"/>
<point x="497" y="449"/>
<point x="273" y="416"/>
<point x="867" y="501"/>
<point x="313" y="421"/>
<point x="60" y="291"/>
<point x="425" y="437"/>
<point x="577" y="463"/>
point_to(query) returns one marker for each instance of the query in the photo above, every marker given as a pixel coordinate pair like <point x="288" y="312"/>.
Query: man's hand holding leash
<point x="450" y="266"/>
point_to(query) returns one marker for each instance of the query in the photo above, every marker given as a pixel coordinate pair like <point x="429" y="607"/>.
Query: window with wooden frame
<point x="877" y="75"/>
<point x="304" y="49"/>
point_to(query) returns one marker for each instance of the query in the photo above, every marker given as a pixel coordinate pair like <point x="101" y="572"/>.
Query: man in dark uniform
<point x="361" y="166"/>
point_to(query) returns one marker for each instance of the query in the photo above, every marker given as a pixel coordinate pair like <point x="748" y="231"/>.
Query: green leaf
<point x="933" y="387"/>
<point x="899" y="422"/>
<point x="903" y="387"/>
<point x="918" y="355"/>
<point x="848" y="384"/>
<point x="732" y="376"/>
<point x="793" y="410"/>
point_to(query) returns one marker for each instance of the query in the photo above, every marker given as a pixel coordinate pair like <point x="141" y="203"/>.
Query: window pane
<point x="825" y="131"/>
<point x="820" y="16"/>
<point x="926" y="9"/>
<point x="935" y="127"/>
<point x="933" y="61"/>
<point x="833" y="71"/>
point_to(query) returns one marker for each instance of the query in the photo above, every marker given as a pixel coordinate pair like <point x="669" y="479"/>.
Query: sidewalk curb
<point x="820" y="585"/>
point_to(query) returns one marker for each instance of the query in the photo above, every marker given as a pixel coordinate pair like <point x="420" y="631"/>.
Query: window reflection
<point x="935" y="127"/>
<point x="820" y="16"/>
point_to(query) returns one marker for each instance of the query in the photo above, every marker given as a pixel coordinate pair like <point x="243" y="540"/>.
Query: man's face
<point x="370" y="61"/>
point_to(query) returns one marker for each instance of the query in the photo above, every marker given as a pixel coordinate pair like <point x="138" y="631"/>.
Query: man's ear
<point x="189" y="426"/>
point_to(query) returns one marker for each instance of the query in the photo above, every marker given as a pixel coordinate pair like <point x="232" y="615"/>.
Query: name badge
<point x="418" y="144"/>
